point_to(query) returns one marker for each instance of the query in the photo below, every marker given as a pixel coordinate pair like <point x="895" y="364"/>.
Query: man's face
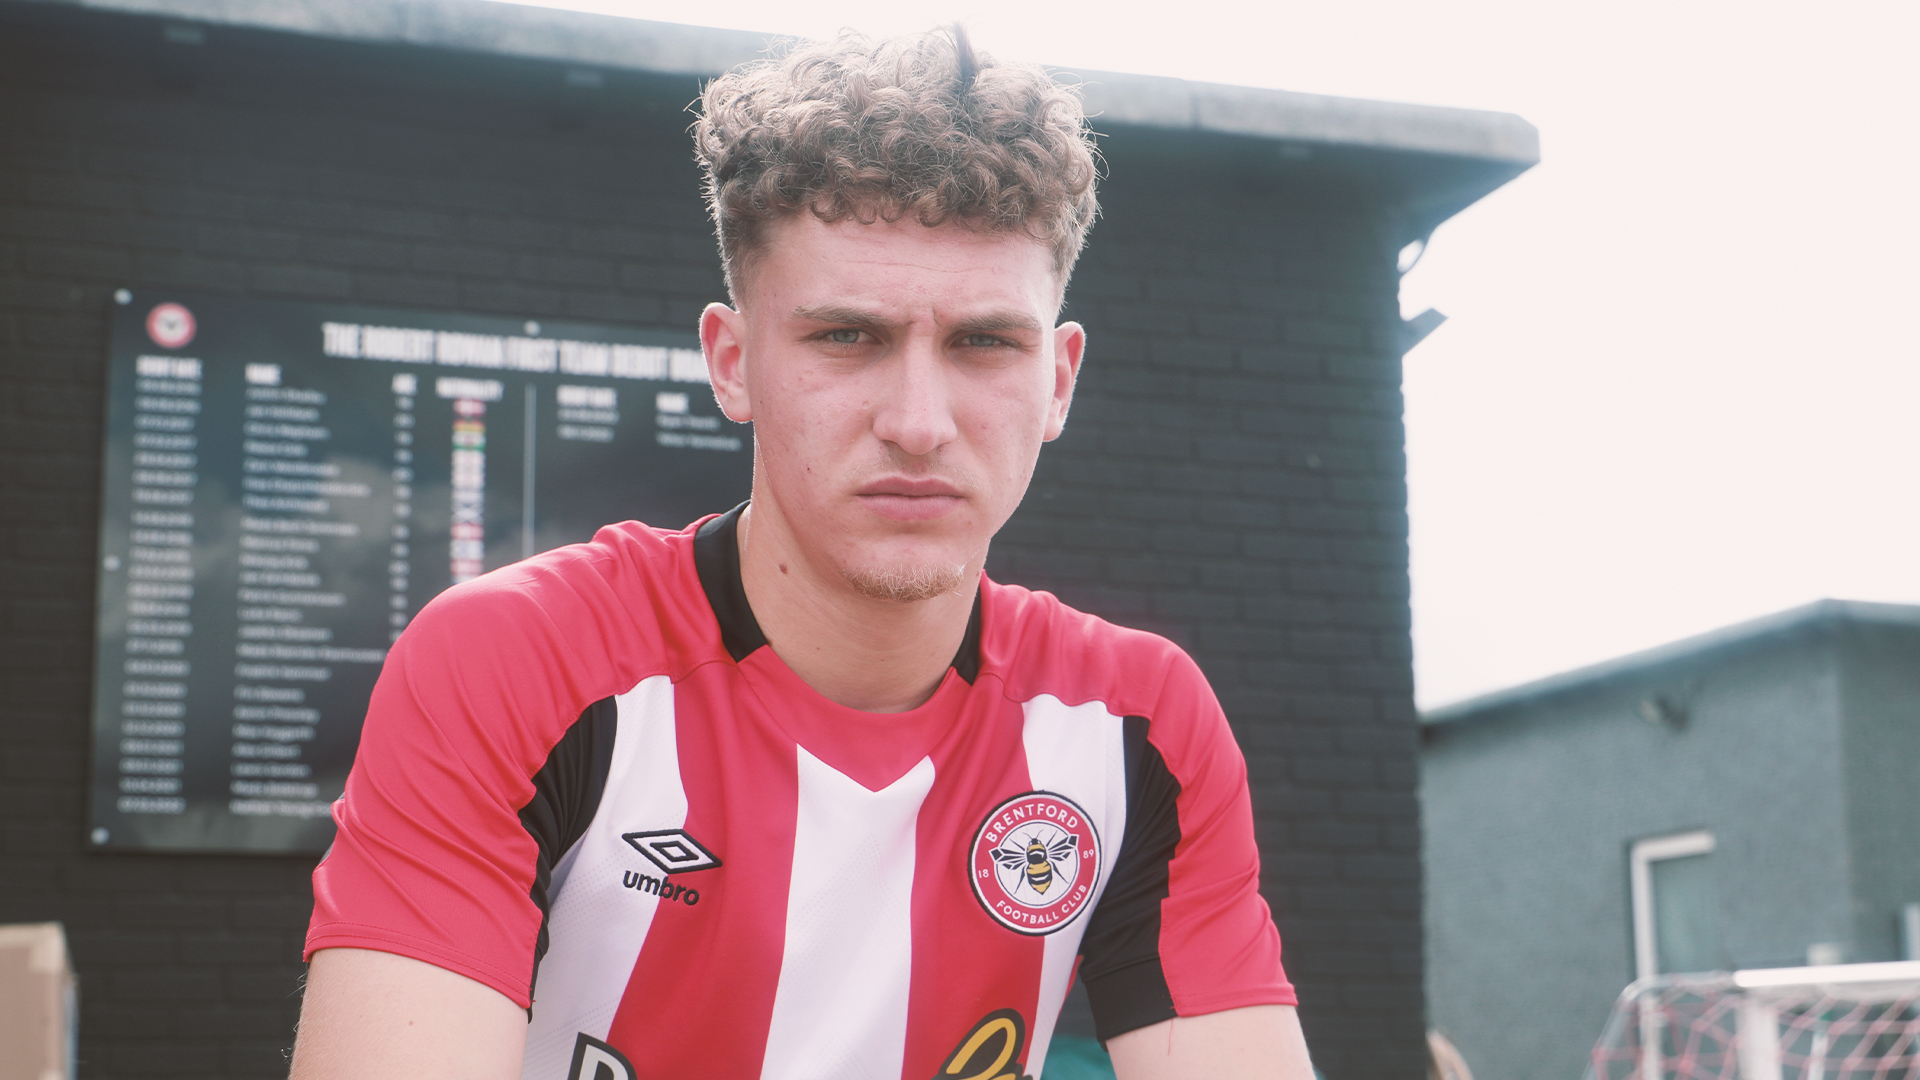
<point x="900" y="380"/>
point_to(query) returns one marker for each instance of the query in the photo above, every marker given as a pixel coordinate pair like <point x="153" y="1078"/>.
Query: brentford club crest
<point x="1034" y="862"/>
<point x="170" y="326"/>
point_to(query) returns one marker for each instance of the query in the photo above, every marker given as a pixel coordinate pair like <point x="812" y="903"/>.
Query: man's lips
<point x="911" y="486"/>
<point x="911" y="498"/>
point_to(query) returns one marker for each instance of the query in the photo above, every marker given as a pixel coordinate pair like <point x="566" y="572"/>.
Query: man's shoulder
<point x="631" y="587"/>
<point x="1039" y="615"/>
<point x="620" y="558"/>
<point x="1036" y="644"/>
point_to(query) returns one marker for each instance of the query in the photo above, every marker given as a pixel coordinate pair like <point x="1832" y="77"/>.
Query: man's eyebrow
<point x="845" y="316"/>
<point x="986" y="323"/>
<point x="998" y="321"/>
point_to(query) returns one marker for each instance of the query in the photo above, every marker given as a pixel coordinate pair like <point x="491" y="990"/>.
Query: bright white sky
<point x="1678" y="385"/>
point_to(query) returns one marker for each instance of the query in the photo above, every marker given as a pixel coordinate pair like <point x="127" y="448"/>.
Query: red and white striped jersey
<point x="586" y="781"/>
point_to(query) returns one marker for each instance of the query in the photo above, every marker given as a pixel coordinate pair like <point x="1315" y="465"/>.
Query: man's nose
<point x="915" y="412"/>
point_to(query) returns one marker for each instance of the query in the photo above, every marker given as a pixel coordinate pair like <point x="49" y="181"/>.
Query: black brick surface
<point x="1232" y="475"/>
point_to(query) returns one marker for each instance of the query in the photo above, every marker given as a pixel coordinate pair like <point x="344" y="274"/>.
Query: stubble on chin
<point x="905" y="584"/>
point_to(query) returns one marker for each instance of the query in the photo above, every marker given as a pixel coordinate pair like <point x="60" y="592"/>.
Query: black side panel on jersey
<point x="566" y="794"/>
<point x="1120" y="954"/>
<point x="716" y="558"/>
<point x="966" y="660"/>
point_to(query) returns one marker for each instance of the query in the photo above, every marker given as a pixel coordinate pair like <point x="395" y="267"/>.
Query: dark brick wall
<point x="1232" y="475"/>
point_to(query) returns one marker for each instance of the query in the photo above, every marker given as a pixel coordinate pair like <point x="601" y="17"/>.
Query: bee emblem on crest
<point x="1037" y="858"/>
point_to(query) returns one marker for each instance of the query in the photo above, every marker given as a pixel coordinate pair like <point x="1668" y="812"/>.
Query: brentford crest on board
<point x="1034" y="862"/>
<point x="171" y="326"/>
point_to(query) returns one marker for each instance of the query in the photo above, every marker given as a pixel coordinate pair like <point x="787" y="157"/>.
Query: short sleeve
<point x="431" y="859"/>
<point x="1182" y="929"/>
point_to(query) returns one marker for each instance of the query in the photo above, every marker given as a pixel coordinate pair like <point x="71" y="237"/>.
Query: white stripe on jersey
<point x="597" y="924"/>
<point x="841" y="1006"/>
<point x="1077" y="751"/>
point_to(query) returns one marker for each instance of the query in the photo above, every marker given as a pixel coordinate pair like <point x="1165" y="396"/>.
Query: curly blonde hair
<point x="916" y="127"/>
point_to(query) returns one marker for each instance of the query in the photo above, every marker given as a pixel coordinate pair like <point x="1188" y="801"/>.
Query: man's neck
<point x="874" y="655"/>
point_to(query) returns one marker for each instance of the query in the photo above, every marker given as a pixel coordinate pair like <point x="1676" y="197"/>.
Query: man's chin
<point x="905" y="584"/>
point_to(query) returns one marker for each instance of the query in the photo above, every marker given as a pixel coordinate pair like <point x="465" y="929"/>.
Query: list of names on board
<point x="286" y="484"/>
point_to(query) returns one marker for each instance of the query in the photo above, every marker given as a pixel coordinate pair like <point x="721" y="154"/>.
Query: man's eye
<point x="981" y="341"/>
<point x="844" y="337"/>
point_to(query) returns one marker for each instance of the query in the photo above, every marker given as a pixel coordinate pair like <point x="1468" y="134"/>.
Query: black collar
<point x="716" y="558"/>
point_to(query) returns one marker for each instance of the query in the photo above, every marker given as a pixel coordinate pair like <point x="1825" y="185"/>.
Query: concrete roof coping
<point x="671" y="48"/>
<point x="1158" y="101"/>
<point x="1780" y="622"/>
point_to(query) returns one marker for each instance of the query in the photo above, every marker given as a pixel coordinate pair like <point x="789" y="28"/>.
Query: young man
<point x="797" y="792"/>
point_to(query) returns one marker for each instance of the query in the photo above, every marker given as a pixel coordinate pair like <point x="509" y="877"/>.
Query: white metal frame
<point x="1640" y="860"/>
<point x="1760" y="1014"/>
<point x="1830" y="975"/>
<point x="1761" y="994"/>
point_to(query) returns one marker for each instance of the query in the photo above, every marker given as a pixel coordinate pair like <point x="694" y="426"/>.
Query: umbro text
<point x="660" y="887"/>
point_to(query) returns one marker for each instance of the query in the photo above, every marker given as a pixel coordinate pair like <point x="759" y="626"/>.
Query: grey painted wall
<point x="1880" y="688"/>
<point x="1530" y="812"/>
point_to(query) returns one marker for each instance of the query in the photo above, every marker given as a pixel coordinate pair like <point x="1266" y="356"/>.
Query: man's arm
<point x="1262" y="1042"/>
<point x="379" y="1016"/>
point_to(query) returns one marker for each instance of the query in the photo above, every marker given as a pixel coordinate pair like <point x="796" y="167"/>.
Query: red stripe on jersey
<point x="979" y="765"/>
<point x="734" y="935"/>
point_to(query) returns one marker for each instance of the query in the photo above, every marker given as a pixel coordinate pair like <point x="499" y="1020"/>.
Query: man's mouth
<point x="906" y="498"/>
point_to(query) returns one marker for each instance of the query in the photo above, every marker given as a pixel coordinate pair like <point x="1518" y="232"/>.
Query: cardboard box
<point x="38" y="1009"/>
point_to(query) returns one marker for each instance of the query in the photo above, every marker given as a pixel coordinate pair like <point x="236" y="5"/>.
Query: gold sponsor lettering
<point x="990" y="1051"/>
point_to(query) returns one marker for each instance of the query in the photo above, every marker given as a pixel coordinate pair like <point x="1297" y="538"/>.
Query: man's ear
<point x="1069" y="345"/>
<point x="723" y="338"/>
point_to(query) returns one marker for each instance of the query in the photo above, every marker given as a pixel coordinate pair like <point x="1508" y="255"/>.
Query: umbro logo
<point x="672" y="850"/>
